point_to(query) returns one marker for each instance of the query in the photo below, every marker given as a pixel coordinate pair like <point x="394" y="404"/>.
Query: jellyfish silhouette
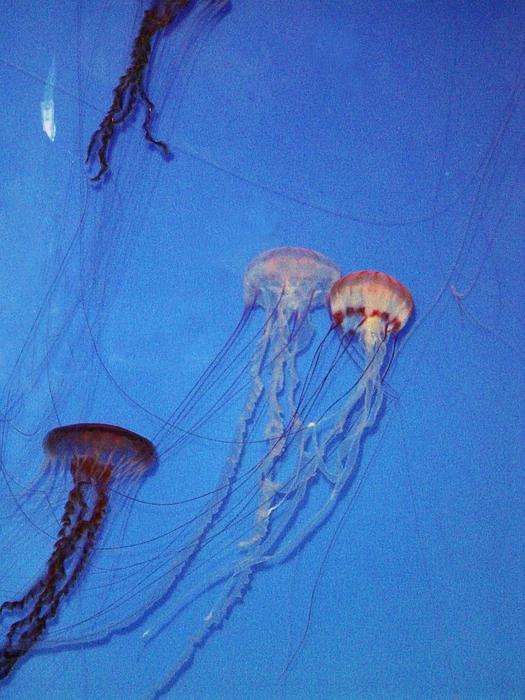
<point x="297" y="444"/>
<point x="96" y="456"/>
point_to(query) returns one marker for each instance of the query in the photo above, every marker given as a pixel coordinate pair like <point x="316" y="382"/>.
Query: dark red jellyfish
<point x="96" y="455"/>
<point x="131" y="88"/>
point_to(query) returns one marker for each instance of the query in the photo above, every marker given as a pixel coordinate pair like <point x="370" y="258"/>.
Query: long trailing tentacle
<point x="131" y="88"/>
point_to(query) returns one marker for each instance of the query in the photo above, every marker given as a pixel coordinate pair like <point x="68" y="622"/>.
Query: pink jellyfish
<point x="280" y="484"/>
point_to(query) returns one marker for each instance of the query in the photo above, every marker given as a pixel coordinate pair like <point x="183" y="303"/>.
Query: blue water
<point x="385" y="135"/>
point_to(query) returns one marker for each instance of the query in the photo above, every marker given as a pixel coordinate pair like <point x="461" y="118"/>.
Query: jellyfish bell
<point x="95" y="455"/>
<point x="371" y="305"/>
<point x="108" y="448"/>
<point x="289" y="278"/>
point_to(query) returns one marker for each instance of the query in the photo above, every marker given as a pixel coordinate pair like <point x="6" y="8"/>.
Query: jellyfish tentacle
<point x="287" y="345"/>
<point x="346" y="463"/>
<point x="131" y="86"/>
<point x="76" y="539"/>
<point x="231" y="466"/>
<point x="266" y="549"/>
<point x="233" y="592"/>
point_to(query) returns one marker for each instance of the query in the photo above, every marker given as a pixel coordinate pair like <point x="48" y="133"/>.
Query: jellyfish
<point x="131" y="88"/>
<point x="96" y="456"/>
<point x="288" y="284"/>
<point x="297" y="442"/>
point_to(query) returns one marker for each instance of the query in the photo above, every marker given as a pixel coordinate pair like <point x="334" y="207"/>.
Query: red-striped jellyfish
<point x="97" y="457"/>
<point x="298" y="439"/>
<point x="370" y="307"/>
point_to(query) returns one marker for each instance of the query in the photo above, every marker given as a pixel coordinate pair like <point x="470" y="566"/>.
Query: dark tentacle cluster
<point x="82" y="517"/>
<point x="131" y="84"/>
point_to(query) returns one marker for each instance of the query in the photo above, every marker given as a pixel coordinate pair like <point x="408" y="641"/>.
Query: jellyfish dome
<point x="124" y="451"/>
<point x="370" y="304"/>
<point x="293" y="276"/>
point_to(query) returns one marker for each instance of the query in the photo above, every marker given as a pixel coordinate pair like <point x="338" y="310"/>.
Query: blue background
<point x="386" y="135"/>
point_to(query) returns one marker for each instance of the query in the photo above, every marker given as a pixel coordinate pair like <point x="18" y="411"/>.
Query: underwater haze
<point x="386" y="136"/>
